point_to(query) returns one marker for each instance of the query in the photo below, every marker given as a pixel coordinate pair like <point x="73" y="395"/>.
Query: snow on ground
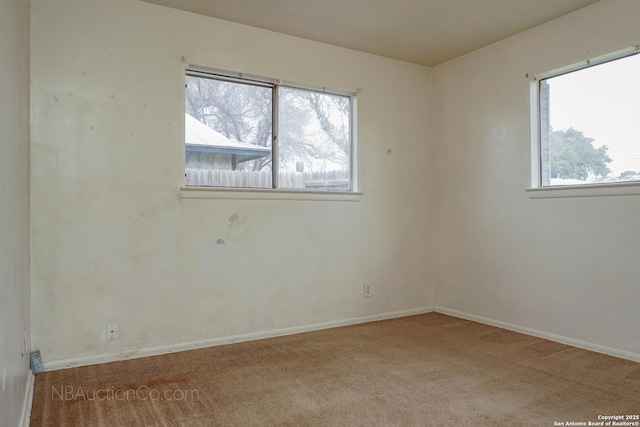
<point x="610" y="180"/>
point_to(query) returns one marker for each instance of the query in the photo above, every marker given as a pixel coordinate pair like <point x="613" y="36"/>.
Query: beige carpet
<point x="426" y="370"/>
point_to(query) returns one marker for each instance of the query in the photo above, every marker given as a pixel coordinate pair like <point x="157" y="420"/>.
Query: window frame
<point x="538" y="189"/>
<point x="258" y="193"/>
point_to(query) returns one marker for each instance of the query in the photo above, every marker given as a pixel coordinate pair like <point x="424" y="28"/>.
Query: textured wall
<point x="112" y="239"/>
<point x="564" y="266"/>
<point x="14" y="207"/>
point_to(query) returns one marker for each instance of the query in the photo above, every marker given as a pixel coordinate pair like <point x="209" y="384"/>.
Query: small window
<point x="588" y="116"/>
<point x="258" y="133"/>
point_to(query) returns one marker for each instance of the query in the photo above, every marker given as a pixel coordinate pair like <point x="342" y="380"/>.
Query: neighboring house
<point x="208" y="149"/>
<point x="212" y="160"/>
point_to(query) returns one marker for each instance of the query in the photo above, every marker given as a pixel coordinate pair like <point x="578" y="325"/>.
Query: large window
<point x="256" y="133"/>
<point x="588" y="122"/>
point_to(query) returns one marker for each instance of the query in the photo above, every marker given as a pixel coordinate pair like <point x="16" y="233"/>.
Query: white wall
<point x="114" y="242"/>
<point x="561" y="266"/>
<point x="14" y="207"/>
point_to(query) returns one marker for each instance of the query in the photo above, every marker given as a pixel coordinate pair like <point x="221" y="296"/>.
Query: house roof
<point x="202" y="138"/>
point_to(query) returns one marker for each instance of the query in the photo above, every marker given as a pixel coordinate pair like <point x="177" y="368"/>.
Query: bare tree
<point x="314" y="127"/>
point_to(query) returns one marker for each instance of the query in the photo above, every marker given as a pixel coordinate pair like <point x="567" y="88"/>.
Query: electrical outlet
<point x="367" y="290"/>
<point x="112" y="331"/>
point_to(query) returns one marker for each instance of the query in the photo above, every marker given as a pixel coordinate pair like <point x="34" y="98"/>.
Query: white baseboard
<point x="623" y="354"/>
<point x="193" y="345"/>
<point x="25" y="418"/>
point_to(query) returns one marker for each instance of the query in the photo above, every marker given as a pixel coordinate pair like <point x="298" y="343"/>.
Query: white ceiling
<point x="426" y="32"/>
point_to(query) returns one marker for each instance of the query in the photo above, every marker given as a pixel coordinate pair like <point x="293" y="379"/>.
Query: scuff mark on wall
<point x="211" y="257"/>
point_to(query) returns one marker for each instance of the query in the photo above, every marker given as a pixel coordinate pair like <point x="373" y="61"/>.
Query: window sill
<point x="266" y="194"/>
<point x="589" y="190"/>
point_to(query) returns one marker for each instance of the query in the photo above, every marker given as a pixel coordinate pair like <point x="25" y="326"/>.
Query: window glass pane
<point x="593" y="136"/>
<point x="227" y="134"/>
<point x="314" y="140"/>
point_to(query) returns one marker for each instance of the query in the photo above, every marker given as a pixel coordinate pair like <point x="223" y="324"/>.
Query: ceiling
<point x="426" y="32"/>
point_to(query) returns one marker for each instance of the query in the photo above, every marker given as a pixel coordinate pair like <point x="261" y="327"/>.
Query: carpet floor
<point x="425" y="370"/>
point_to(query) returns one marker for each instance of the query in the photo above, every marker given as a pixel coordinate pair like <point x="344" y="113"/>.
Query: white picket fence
<point x="329" y="180"/>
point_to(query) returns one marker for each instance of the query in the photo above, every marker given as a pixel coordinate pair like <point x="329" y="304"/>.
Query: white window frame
<point x="200" y="192"/>
<point x="537" y="190"/>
